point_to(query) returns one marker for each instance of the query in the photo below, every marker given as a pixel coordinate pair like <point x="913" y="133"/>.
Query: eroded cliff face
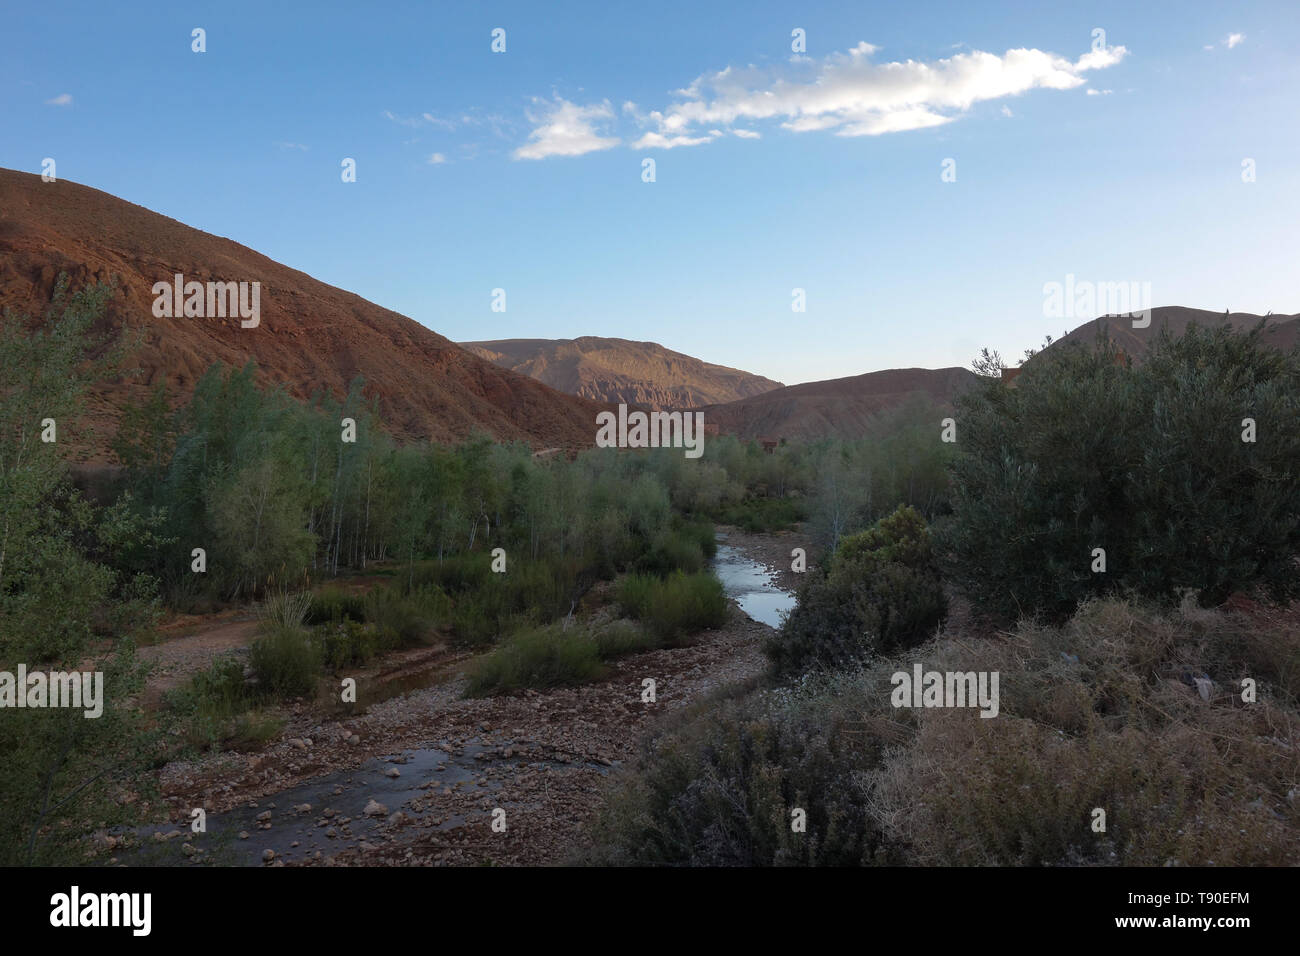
<point x="619" y="370"/>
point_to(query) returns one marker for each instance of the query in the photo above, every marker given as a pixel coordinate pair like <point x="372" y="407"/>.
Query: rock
<point x="331" y="833"/>
<point x="354" y="740"/>
<point x="264" y="816"/>
<point x="187" y="849"/>
<point x="392" y="772"/>
<point x="303" y="808"/>
<point x="243" y="834"/>
<point x="298" y="743"/>
<point x="375" y="809"/>
<point x="268" y="856"/>
<point x="328" y="812"/>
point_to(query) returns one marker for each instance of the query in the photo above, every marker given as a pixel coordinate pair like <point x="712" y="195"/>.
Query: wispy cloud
<point x="437" y="159"/>
<point x="1094" y="92"/>
<point x="1230" y="41"/>
<point x="562" y="128"/>
<point x="63" y="99"/>
<point x="847" y="93"/>
<point x="298" y="146"/>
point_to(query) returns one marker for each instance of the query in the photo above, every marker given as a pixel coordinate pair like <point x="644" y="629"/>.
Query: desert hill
<point x="1280" y="331"/>
<point x="619" y="370"/>
<point x="311" y="336"/>
<point x="841" y="407"/>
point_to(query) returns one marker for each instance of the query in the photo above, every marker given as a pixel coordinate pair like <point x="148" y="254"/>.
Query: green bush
<point x="1146" y="462"/>
<point x="218" y="709"/>
<point x="286" y="663"/>
<point x="879" y="592"/>
<point x="331" y="605"/>
<point x="764" y="515"/>
<point x="406" y="618"/>
<point x="544" y="657"/>
<point x="619" y="638"/>
<point x="675" y="607"/>
<point x="346" y="644"/>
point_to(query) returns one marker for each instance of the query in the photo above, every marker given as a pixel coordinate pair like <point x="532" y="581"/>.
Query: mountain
<point x="311" y="336"/>
<point x="1280" y="331"/>
<point x="841" y="407"/>
<point x="619" y="370"/>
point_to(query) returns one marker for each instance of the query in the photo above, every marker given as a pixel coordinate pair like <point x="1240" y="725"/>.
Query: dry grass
<point x="1104" y="711"/>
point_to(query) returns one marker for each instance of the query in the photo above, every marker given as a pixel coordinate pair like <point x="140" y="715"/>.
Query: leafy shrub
<point x="331" y="605"/>
<point x="764" y="515"/>
<point x="405" y="619"/>
<point x="346" y="644"/>
<point x="674" y="607"/>
<point x="539" y="658"/>
<point x="880" y="591"/>
<point x="286" y="663"/>
<point x="619" y="638"/>
<point x="1146" y="462"/>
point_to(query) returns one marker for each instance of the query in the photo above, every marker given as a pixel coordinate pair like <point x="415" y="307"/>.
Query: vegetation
<point x="878" y="592"/>
<point x="70" y="589"/>
<point x="1098" y="712"/>
<point x="1147" y="463"/>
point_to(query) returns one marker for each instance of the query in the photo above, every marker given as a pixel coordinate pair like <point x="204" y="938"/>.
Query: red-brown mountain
<point x="1280" y="331"/>
<point x="619" y="370"/>
<point x="312" y="336"/>
<point x="841" y="407"/>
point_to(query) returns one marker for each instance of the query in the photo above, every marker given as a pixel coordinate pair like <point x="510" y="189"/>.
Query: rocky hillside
<point x="619" y="370"/>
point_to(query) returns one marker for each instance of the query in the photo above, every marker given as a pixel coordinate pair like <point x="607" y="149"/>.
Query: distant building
<point x="769" y="444"/>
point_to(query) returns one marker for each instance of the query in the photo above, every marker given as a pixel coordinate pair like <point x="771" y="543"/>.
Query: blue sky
<point x="522" y="170"/>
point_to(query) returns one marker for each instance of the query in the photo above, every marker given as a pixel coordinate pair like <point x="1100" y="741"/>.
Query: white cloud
<point x="654" y="140"/>
<point x="747" y="134"/>
<point x="437" y="159"/>
<point x="853" y="96"/>
<point x="566" y="129"/>
<point x="1006" y="111"/>
<point x="1234" y="39"/>
<point x="298" y="146"/>
<point x="63" y="99"/>
<point x="1092" y="92"/>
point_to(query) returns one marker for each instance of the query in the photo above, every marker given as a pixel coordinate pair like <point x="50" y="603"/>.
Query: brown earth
<point x="842" y="407"/>
<point x="311" y="337"/>
<point x="618" y="370"/>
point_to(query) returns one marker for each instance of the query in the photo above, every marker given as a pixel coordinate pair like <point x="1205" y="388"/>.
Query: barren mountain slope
<point x="619" y="370"/>
<point x="312" y="336"/>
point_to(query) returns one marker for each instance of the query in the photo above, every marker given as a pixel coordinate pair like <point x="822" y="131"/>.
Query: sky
<point x="921" y="171"/>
